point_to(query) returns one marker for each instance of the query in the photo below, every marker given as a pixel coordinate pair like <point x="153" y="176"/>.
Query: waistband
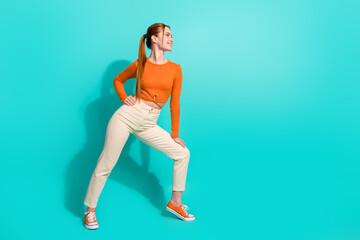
<point x="150" y="109"/>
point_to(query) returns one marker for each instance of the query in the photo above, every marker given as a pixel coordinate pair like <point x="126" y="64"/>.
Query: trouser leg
<point x="117" y="133"/>
<point x="161" y="140"/>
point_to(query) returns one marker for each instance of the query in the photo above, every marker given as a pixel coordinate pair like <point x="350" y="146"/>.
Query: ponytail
<point x="152" y="30"/>
<point x="140" y="67"/>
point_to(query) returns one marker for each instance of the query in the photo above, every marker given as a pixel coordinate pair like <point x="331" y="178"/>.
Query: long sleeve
<point x="175" y="103"/>
<point x="121" y="78"/>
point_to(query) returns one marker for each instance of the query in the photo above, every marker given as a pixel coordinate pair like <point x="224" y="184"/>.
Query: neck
<point x="157" y="56"/>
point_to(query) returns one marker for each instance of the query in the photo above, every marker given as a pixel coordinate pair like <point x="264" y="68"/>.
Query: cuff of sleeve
<point x="123" y="99"/>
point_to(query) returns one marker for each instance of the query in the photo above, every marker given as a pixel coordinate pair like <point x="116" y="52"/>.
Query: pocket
<point x="125" y="105"/>
<point x="136" y="106"/>
<point x="126" y="108"/>
<point x="134" y="109"/>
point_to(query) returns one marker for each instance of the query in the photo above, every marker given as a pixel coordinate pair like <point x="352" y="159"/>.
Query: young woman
<point x="156" y="79"/>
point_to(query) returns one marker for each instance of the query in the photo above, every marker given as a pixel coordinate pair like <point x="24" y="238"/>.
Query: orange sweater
<point x="158" y="82"/>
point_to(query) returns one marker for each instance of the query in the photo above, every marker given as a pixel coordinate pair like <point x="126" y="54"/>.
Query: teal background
<point x="269" y="111"/>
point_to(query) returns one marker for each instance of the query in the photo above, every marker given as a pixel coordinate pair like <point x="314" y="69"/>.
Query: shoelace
<point x="90" y="216"/>
<point x="184" y="207"/>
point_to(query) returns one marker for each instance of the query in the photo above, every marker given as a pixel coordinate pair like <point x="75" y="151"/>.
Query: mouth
<point x="170" y="44"/>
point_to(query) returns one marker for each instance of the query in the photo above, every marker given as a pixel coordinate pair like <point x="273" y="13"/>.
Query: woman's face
<point x="166" y="44"/>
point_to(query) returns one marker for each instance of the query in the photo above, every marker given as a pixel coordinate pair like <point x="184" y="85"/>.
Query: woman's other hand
<point x="179" y="141"/>
<point x="130" y="100"/>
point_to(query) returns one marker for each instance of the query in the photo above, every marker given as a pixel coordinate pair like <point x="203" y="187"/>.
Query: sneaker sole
<point x="179" y="215"/>
<point x="91" y="227"/>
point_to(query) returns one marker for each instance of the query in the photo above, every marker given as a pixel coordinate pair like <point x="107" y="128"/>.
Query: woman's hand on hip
<point x="130" y="100"/>
<point x="179" y="141"/>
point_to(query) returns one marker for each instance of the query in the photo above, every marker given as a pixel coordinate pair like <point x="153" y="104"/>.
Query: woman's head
<point x="158" y="37"/>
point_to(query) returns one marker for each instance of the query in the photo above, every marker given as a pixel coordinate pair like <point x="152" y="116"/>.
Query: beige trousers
<point x="139" y="120"/>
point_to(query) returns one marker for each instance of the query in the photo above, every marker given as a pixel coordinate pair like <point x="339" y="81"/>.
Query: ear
<point x="153" y="39"/>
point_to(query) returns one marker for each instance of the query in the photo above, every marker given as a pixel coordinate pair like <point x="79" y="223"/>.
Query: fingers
<point x="130" y="100"/>
<point x="181" y="142"/>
